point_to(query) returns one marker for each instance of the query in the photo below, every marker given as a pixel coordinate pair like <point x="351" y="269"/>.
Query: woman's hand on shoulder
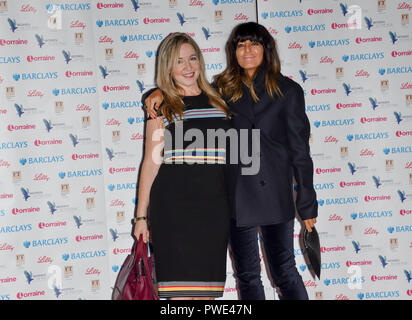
<point x="153" y="102"/>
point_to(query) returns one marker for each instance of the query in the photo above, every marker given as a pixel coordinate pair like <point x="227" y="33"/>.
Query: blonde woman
<point x="189" y="211"/>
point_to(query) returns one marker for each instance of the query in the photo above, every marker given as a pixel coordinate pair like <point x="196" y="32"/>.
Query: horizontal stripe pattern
<point x="197" y="114"/>
<point x="196" y="155"/>
<point x="190" y="289"/>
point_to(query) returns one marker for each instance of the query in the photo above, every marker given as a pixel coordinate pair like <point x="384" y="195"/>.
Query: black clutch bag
<point x="312" y="247"/>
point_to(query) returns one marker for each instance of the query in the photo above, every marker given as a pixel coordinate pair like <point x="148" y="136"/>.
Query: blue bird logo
<point x="78" y="221"/>
<point x="393" y="36"/>
<point x="40" y="40"/>
<point x="206" y="32"/>
<point x="56" y="290"/>
<point x="52" y="207"/>
<point x="377" y="181"/>
<point x="356" y="246"/>
<point x="374" y="103"/>
<point x="110" y="153"/>
<point x="74" y="139"/>
<point x="103" y="71"/>
<point x="368" y="22"/>
<point x="135" y="4"/>
<point x="344" y="8"/>
<point x="114" y="234"/>
<point x="303" y="75"/>
<point x="408" y="275"/>
<point x="181" y="18"/>
<point x="29" y="276"/>
<point x="402" y="195"/>
<point x="347" y="88"/>
<point x="25" y="193"/>
<point x="140" y="84"/>
<point x="352" y="167"/>
<point x="398" y="117"/>
<point x="67" y="56"/>
<point x="19" y="109"/>
<point x="383" y="261"/>
<point x="47" y="124"/>
<point x="13" y="24"/>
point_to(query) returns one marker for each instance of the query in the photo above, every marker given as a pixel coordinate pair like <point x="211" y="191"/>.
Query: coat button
<point x="262" y="182"/>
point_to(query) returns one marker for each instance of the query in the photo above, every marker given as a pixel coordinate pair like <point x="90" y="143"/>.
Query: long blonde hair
<point x="168" y="55"/>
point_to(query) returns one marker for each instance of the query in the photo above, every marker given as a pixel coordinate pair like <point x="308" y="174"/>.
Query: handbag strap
<point x="143" y="249"/>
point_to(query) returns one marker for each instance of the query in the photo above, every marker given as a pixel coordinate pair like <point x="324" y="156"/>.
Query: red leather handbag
<point x="135" y="280"/>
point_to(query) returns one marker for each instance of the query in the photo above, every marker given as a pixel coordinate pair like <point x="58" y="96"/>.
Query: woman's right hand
<point x="153" y="102"/>
<point x="140" y="228"/>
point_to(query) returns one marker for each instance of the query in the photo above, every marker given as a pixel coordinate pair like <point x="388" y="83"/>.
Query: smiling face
<point x="187" y="69"/>
<point x="249" y="55"/>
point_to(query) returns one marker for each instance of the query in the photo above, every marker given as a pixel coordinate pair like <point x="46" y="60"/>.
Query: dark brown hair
<point x="230" y="81"/>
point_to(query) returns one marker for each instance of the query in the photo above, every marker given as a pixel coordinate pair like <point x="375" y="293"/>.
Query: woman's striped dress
<point x="189" y="212"/>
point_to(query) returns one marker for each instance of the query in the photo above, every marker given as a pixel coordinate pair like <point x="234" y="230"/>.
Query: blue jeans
<point x="278" y="245"/>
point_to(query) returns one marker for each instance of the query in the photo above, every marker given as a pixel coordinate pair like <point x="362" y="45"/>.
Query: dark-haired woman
<point x="260" y="97"/>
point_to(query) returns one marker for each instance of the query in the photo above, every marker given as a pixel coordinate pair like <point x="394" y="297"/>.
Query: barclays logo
<point x="282" y="14"/>
<point x="80" y="173"/>
<point x="379" y="295"/>
<point x="11" y="60"/>
<point x="121" y="104"/>
<point x="324" y="186"/>
<point x="84" y="255"/>
<point x="344" y="281"/>
<point x="74" y="91"/>
<point x="407" y="228"/>
<point x="329" y="43"/>
<point x="122" y="186"/>
<point x="321" y="107"/>
<point x="142" y="37"/>
<point x="334" y="123"/>
<point x="306" y="28"/>
<point x="46" y="242"/>
<point x="68" y="7"/>
<point x="117" y="23"/>
<point x="214" y="66"/>
<point x="36" y="76"/>
<point x="216" y="2"/>
<point x="371" y="215"/>
<point x="363" y="56"/>
<point x="368" y="136"/>
<point x="395" y="70"/>
<point x="16" y="228"/>
<point x="396" y="150"/>
<point x="13" y="145"/>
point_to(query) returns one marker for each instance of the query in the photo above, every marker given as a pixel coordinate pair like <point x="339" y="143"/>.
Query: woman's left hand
<point x="310" y="223"/>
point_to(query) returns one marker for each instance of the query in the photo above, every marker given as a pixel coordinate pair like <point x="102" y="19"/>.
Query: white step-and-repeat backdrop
<point x="71" y="133"/>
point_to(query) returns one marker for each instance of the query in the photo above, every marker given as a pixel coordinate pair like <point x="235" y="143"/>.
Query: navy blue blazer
<point x="267" y="197"/>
